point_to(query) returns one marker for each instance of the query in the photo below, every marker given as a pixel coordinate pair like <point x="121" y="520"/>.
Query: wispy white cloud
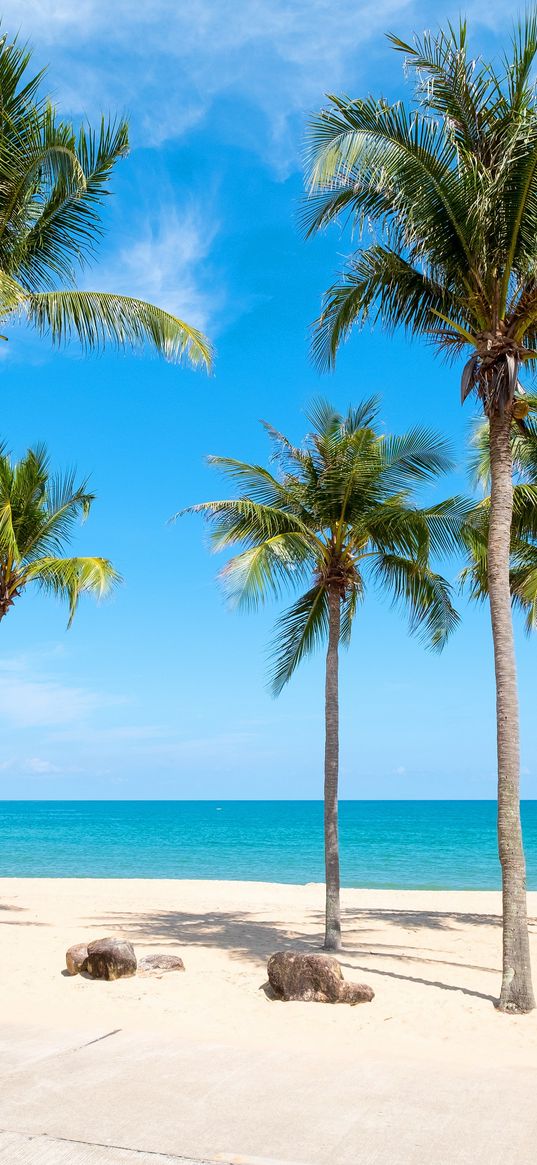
<point x="168" y="63"/>
<point x="163" y="260"/>
<point x="38" y="701"/>
<point x="33" y="766"/>
<point x="161" y="744"/>
<point x="40" y="766"/>
<point x="75" y="729"/>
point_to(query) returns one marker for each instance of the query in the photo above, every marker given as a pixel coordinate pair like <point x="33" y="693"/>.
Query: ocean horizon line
<point x="253" y="800"/>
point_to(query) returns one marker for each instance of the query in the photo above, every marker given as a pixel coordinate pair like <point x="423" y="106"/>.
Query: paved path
<point x="23" y="1149"/>
<point x="118" y="1098"/>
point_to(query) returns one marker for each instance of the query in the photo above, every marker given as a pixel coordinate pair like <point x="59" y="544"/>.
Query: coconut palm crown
<point x="337" y="513"/>
<point x="449" y="186"/>
<point x="53" y="183"/>
<point x="38" y="512"/>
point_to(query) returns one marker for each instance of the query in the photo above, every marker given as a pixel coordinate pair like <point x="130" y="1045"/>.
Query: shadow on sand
<point x="246" y="937"/>
<point x="17" y="921"/>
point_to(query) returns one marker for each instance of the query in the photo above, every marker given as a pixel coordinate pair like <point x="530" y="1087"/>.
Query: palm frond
<point x="299" y="631"/>
<point x="240" y="519"/>
<point x="69" y="578"/>
<point x="98" y="318"/>
<point x="8" y="537"/>
<point x="324" y="417"/>
<point x="382" y="286"/>
<point x="68" y="225"/>
<point x="260" y="485"/>
<point x="454" y="85"/>
<point x="426" y="594"/>
<point x="266" y="570"/>
<point x="418" y="455"/>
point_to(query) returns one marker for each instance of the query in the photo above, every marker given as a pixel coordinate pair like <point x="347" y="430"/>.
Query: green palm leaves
<point x="38" y="513"/>
<point x="449" y="189"/>
<point x="97" y="318"/>
<point x="338" y="512"/>
<point x="53" y="184"/>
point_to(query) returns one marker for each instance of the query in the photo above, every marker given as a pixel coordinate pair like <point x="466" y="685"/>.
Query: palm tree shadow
<point x="234" y="931"/>
<point x="248" y="938"/>
<point x="10" y="909"/>
<point x="426" y="982"/>
<point x="419" y="919"/>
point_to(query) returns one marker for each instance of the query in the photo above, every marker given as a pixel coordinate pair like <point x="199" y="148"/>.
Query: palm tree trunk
<point x="332" y="939"/>
<point x="516" y="992"/>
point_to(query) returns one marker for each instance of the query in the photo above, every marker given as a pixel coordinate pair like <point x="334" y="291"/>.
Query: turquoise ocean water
<point x="428" y="844"/>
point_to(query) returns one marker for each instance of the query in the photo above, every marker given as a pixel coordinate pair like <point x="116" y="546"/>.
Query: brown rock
<point x="75" y="958"/>
<point x="356" y="993"/>
<point x="313" y="978"/>
<point x="110" y="958"/>
<point x="159" y="964"/>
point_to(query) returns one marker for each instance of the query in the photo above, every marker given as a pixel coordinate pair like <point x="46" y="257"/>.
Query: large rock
<point x="75" y="958"/>
<point x="159" y="964"/>
<point x="313" y="978"/>
<point x="110" y="958"/>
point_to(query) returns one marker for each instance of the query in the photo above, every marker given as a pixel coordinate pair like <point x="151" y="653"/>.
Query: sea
<point x="428" y="845"/>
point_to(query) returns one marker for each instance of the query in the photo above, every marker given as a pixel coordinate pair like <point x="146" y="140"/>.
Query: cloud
<point x="42" y="702"/>
<point x="163" y="261"/>
<point x="160" y="743"/>
<point x="99" y="723"/>
<point x="35" y="766"/>
<point x="168" y="63"/>
<point x="39" y="766"/>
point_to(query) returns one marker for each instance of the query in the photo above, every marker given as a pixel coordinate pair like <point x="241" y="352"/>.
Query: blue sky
<point x="160" y="692"/>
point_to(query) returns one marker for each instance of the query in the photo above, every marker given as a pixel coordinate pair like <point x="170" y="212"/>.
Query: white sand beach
<point x="432" y="958"/>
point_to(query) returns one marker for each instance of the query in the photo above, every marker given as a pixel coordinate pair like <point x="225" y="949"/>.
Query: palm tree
<point x="52" y="185"/>
<point x="37" y="515"/>
<point x="523" y="567"/>
<point x="449" y="188"/>
<point x="336" y="514"/>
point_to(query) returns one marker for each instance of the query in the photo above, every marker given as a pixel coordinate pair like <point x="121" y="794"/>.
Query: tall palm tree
<point x="38" y="512"/>
<point x="523" y="566"/>
<point x="446" y="195"/>
<point x="52" y="186"/>
<point x="336" y="514"/>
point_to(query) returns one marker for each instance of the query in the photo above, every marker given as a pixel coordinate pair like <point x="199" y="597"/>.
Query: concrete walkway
<point x="118" y="1098"/>
<point x="22" y="1149"/>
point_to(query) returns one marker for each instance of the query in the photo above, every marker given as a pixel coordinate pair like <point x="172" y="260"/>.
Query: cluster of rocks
<point x="115" y="958"/>
<point x="294" y="975"/>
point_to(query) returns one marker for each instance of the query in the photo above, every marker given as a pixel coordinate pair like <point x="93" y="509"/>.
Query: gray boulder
<point x="110" y="958"/>
<point x="294" y="975"/>
<point x="159" y="965"/>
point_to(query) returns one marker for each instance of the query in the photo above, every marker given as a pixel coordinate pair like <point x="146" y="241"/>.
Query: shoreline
<point x="253" y="882"/>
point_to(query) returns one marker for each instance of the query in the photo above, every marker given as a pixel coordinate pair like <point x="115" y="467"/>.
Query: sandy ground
<point x="432" y="958"/>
